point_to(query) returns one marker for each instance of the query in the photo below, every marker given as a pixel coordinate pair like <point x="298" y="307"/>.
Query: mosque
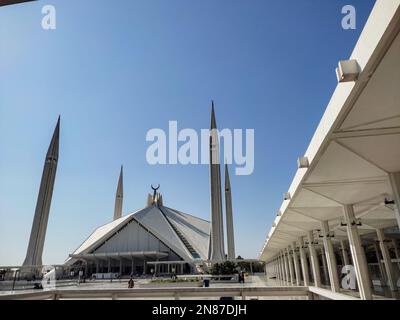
<point x="153" y="240"/>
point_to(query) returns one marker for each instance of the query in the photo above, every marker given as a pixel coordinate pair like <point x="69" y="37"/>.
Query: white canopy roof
<point x="179" y="231"/>
<point x="355" y="146"/>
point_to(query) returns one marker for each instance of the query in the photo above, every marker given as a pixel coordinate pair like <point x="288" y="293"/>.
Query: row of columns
<point x="291" y="265"/>
<point x="290" y="273"/>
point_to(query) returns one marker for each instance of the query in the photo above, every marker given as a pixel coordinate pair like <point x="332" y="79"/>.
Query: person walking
<point x="131" y="283"/>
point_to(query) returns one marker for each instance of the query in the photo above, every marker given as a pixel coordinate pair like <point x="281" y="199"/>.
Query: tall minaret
<point x="229" y="216"/>
<point x="119" y="197"/>
<point x="39" y="226"/>
<point x="217" y="251"/>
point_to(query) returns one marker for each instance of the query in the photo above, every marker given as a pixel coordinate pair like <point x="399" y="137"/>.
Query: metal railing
<point x="309" y="293"/>
<point x="318" y="293"/>
<point x="171" y="292"/>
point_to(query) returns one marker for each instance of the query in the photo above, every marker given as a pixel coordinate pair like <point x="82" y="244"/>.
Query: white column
<point x="314" y="260"/>
<point x="282" y="266"/>
<point x="386" y="260"/>
<point x="286" y="267"/>
<point x="396" y="251"/>
<point x="330" y="258"/>
<point x="304" y="264"/>
<point x="278" y="268"/>
<point x="357" y="254"/>
<point x="296" y="265"/>
<point x="269" y="268"/>
<point x="290" y="262"/>
<point x="278" y="271"/>
<point x="324" y="266"/>
<point x="378" y="257"/>
<point x="395" y="184"/>
<point x="345" y="256"/>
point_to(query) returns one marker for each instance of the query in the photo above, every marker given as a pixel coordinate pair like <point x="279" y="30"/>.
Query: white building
<point x="155" y="239"/>
<point x="343" y="205"/>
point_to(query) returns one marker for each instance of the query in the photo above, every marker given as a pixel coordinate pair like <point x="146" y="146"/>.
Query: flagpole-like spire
<point x="213" y="121"/>
<point x="119" y="196"/>
<point x="39" y="226"/>
<point x="217" y="250"/>
<point x="229" y="216"/>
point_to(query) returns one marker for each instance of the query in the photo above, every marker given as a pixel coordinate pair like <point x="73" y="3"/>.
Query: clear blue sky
<point x="115" y="69"/>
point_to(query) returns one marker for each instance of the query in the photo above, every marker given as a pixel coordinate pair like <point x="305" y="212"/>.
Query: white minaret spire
<point x="119" y="197"/>
<point x="229" y="216"/>
<point x="39" y="226"/>
<point x="217" y="251"/>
